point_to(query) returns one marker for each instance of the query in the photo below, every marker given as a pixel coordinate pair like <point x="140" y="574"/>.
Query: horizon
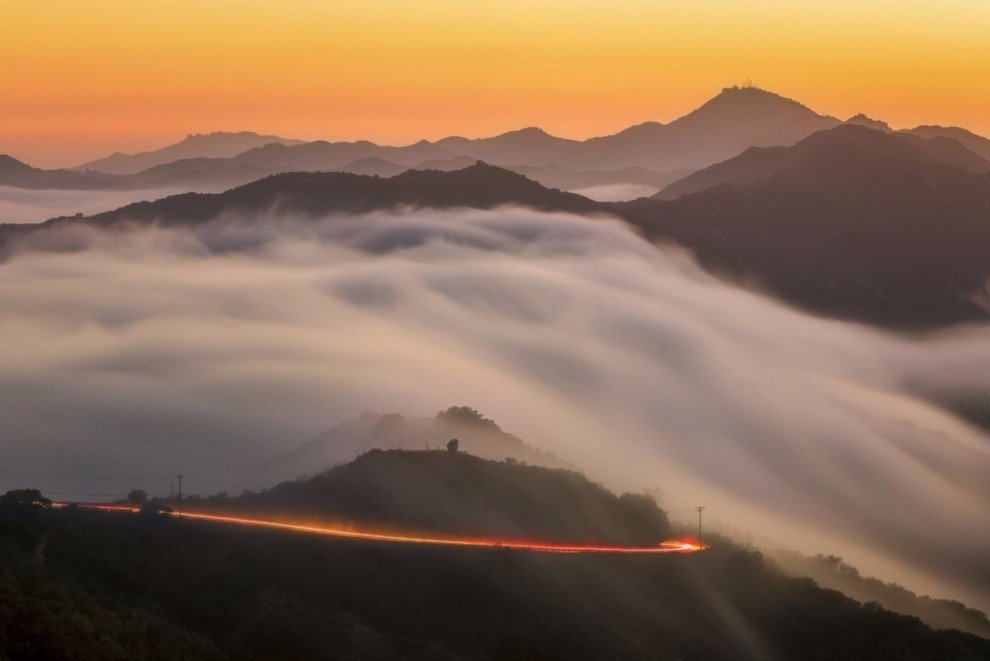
<point x="466" y="134"/>
<point x="109" y="81"/>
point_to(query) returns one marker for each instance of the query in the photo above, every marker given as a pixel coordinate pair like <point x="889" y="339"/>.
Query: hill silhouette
<point x="459" y="494"/>
<point x="480" y="186"/>
<point x="477" y="434"/>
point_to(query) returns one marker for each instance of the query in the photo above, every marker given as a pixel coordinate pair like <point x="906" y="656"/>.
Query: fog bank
<point x="24" y="205"/>
<point x="155" y="352"/>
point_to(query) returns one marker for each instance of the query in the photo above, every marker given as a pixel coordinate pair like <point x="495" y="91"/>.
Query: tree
<point x="137" y="497"/>
<point x="25" y="497"/>
<point x="453" y="445"/>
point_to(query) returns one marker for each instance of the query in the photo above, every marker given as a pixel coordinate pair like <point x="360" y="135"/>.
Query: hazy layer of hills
<point x="120" y="586"/>
<point x="649" y="154"/>
<point x="831" y="572"/>
<point x="201" y="145"/>
<point x="477" y="435"/>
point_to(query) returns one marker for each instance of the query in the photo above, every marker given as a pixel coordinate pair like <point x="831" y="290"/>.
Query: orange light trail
<point x="667" y="546"/>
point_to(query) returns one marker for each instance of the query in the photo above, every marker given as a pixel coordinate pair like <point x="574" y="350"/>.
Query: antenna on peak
<point x="748" y="84"/>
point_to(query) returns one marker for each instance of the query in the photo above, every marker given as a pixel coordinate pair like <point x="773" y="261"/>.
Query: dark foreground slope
<point x="87" y="584"/>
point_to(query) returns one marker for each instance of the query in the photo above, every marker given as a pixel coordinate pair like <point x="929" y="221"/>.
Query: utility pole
<point x="179" y="499"/>
<point x="700" y="545"/>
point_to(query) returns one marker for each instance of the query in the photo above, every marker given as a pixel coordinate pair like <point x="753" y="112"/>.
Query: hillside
<point x="457" y="493"/>
<point x="851" y="223"/>
<point x="343" y="442"/>
<point x="757" y="164"/>
<point x="732" y="121"/>
<point x="831" y="572"/>
<point x="128" y="586"/>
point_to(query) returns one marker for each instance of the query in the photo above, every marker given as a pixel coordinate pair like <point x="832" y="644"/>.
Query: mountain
<point x="480" y="186"/>
<point x="529" y="146"/>
<point x="219" y="144"/>
<point x="851" y="222"/>
<point x="975" y="143"/>
<point x="21" y="175"/>
<point x="376" y="167"/>
<point x="736" y="119"/>
<point x="477" y="434"/>
<point x="198" y="174"/>
<point x="118" y="586"/>
<point x="323" y="156"/>
<point x="756" y="163"/>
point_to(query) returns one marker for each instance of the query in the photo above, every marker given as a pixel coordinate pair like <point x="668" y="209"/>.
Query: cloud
<point x="617" y="192"/>
<point x="22" y="205"/>
<point x="152" y="352"/>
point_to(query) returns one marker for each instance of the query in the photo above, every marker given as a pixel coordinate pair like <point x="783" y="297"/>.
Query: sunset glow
<point x="81" y="79"/>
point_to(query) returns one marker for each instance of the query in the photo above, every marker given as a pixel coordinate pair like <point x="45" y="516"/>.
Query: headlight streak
<point x="667" y="546"/>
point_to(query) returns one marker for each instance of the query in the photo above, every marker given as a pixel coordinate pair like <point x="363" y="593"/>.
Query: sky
<point x="81" y="79"/>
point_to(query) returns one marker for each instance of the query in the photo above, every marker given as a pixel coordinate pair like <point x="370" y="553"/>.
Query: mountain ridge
<point x="218" y="144"/>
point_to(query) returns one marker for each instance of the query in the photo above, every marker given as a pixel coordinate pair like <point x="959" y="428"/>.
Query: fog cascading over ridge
<point x="203" y="351"/>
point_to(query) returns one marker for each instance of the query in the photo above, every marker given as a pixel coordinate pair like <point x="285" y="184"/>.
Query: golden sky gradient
<point x="82" y="78"/>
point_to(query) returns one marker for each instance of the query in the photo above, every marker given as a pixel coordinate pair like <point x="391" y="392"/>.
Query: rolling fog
<point x="153" y="352"/>
<point x="25" y="205"/>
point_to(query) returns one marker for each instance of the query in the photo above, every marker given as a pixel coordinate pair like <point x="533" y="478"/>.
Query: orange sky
<point x="82" y="78"/>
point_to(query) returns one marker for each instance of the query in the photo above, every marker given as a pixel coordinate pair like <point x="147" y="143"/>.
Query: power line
<point x="86" y="477"/>
<point x="68" y="476"/>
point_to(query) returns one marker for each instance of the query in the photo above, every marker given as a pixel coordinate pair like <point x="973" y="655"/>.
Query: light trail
<point x="667" y="546"/>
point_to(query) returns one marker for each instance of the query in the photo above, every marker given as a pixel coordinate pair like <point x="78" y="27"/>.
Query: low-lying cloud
<point x="617" y="192"/>
<point x="153" y="352"/>
<point x="24" y="205"/>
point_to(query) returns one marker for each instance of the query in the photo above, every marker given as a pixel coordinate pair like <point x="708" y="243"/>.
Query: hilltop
<point x="477" y="435"/>
<point x="457" y="493"/>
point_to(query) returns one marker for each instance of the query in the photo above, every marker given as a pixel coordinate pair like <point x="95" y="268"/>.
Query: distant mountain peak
<point x="748" y="100"/>
<point x="863" y="120"/>
<point x="217" y="144"/>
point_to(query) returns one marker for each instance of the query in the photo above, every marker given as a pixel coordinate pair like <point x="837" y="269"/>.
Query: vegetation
<point x="116" y="585"/>
<point x="25" y="497"/>
<point x="831" y="572"/>
<point x="446" y="491"/>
